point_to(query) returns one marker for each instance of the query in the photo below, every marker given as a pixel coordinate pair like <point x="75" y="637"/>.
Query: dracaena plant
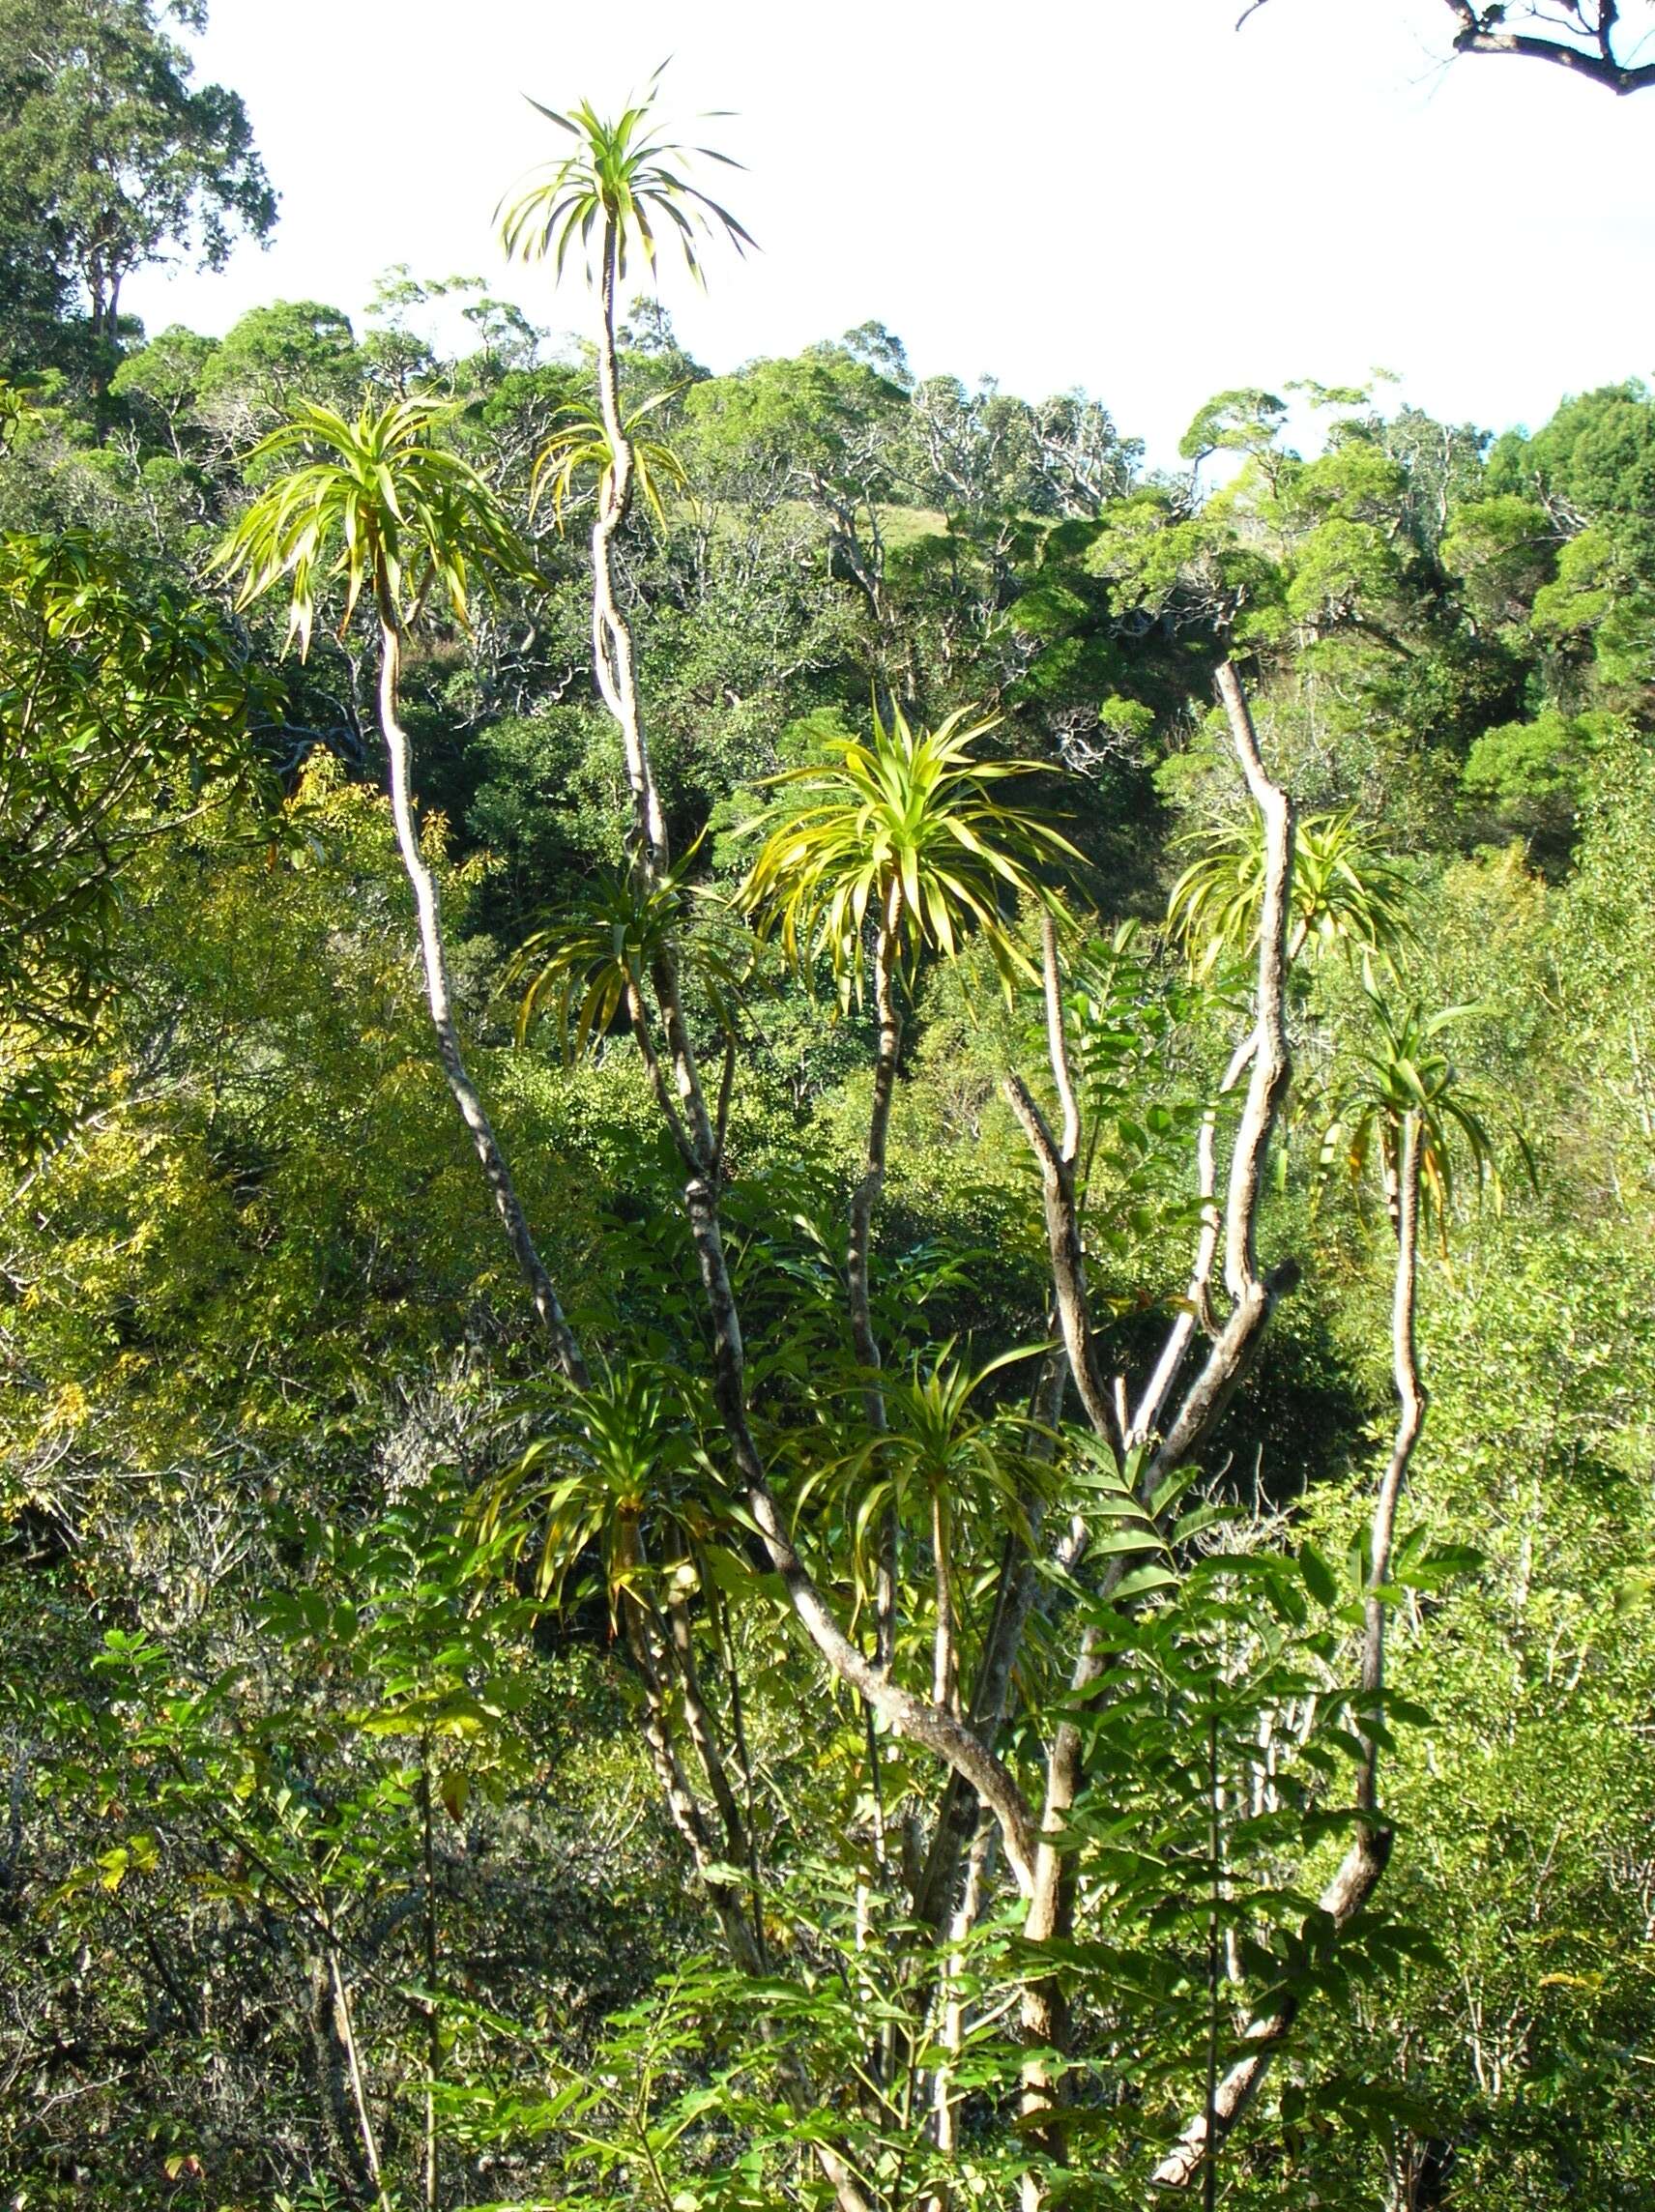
<point x="901" y="839"/>
<point x="378" y="507"/>
<point x="1407" y="1082"/>
<point x="902" y="831"/>
<point x="1408" y="1108"/>
<point x="906" y="837"/>
<point x="596" y="966"/>
<point x="608" y="193"/>
<point x="581" y="444"/>
<point x="621" y="1479"/>
<point x="1348" y="891"/>
<point x="951" y="1464"/>
<point x="619" y="183"/>
<point x="620" y="179"/>
<point x="383" y="514"/>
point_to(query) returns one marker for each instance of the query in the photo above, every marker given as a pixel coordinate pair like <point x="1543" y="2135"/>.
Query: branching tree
<point x="913" y="1706"/>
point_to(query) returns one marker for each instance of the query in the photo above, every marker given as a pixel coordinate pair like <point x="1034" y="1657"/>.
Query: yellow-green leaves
<point x="1405" y="1075"/>
<point x="1346" y="891"/>
<point x="611" y="191"/>
<point x="582" y="442"/>
<point x="377" y="505"/>
<point x="590" y="967"/>
<point x="905" y="828"/>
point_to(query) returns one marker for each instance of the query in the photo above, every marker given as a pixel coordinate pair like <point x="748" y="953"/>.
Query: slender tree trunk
<point x="859" y="1245"/>
<point x="1412" y="1400"/>
<point x="1016" y="1585"/>
<point x="954" y="2029"/>
<point x="613" y="652"/>
<point x="698" y="1137"/>
<point x="1059" y="1154"/>
<point x="434" y="961"/>
<point x="346" y="2030"/>
<point x="340" y="2109"/>
<point x="682" y="1808"/>
<point x="1049" y="1914"/>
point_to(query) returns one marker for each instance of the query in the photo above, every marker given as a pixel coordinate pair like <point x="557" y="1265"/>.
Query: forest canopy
<point x="827" y="1308"/>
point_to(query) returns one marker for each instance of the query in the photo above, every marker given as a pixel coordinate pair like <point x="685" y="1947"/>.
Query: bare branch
<point x="1266" y="1051"/>
<point x="1272" y="1069"/>
<point x="1166" y="1372"/>
<point x="1483" y="30"/>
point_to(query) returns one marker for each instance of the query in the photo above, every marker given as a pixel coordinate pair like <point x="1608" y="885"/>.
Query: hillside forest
<point x="827" y="1308"/>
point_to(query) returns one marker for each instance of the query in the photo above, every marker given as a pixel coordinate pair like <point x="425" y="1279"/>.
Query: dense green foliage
<point x="421" y="1782"/>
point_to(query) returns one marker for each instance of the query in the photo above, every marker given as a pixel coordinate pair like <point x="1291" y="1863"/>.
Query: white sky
<point x="1125" y="194"/>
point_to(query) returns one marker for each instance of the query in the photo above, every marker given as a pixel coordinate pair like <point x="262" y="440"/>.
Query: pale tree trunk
<point x="1057" y="1155"/>
<point x="433" y="2021"/>
<point x="340" y="2110"/>
<point x="345" y="2027"/>
<point x="434" y="962"/>
<point x="1017" y="1586"/>
<point x="978" y="1866"/>
<point x="613" y="654"/>
<point x="1364" y="1864"/>
<point x="859" y="1264"/>
<point x="682" y="1807"/>
<point x="1051" y="1900"/>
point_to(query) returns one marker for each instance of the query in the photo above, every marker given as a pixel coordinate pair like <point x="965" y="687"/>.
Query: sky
<point x="1125" y="196"/>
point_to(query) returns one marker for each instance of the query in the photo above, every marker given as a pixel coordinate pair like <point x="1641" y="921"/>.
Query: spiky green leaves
<point x="1407" y="1075"/>
<point x="622" y="1464"/>
<point x="588" y="968"/>
<point x="378" y="506"/>
<point x="948" y="1455"/>
<point x="1346" y="891"/>
<point x="582" y="444"/>
<point x="618" y="182"/>
<point x="906" y="829"/>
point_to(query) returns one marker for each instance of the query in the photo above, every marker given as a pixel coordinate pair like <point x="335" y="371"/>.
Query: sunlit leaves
<point x="122" y="711"/>
<point x="376" y="506"/>
<point x="582" y="444"/>
<point x="611" y="193"/>
<point x="1406" y="1076"/>
<point x="903" y="832"/>
<point x="1346" y="891"/>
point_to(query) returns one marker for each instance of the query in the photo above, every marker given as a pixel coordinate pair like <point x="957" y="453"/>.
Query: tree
<point x="122" y="159"/>
<point x="378" y="505"/>
<point x="606" y="196"/>
<point x="1410" y="1111"/>
<point x="1584" y="36"/>
<point x="922" y="1725"/>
